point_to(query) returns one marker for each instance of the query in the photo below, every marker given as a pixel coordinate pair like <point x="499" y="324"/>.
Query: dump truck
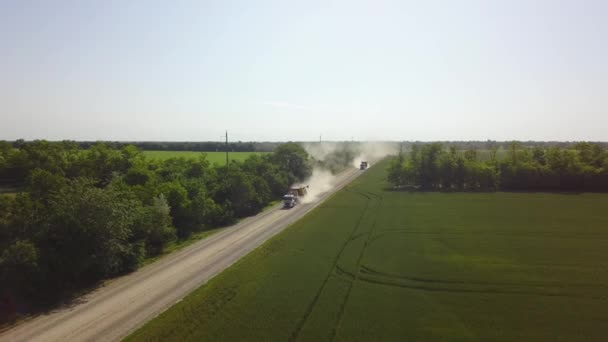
<point x="294" y="195"/>
<point x="363" y="165"/>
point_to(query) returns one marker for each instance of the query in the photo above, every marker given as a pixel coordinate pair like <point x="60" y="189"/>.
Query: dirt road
<point x="124" y="304"/>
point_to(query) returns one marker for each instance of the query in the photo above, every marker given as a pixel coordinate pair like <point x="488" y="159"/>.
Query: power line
<point x="226" y="147"/>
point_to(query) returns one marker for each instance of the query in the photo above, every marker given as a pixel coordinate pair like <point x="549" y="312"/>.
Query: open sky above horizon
<point x="283" y="70"/>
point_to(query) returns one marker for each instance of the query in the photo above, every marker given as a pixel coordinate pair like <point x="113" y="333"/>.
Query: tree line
<point x="491" y="144"/>
<point x="584" y="167"/>
<point x="197" y="146"/>
<point x="241" y="146"/>
<point x="85" y="215"/>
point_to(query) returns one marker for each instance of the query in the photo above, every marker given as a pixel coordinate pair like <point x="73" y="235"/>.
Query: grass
<point x="371" y="264"/>
<point x="213" y="157"/>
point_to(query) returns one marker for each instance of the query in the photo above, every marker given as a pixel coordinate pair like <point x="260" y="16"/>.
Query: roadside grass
<point x="213" y="157"/>
<point x="371" y="264"/>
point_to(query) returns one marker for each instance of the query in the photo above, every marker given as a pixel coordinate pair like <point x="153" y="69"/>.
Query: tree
<point x="236" y="189"/>
<point x="292" y="158"/>
<point x="102" y="163"/>
<point x="447" y="169"/>
<point x="5" y="148"/>
<point x="177" y="198"/>
<point x="2" y="164"/>
<point x="138" y="175"/>
<point x="590" y="154"/>
<point x="395" y="172"/>
<point x="470" y="155"/>
<point x="429" y="165"/>
<point x="154" y="227"/>
<point x="538" y="155"/>
<point x="514" y="148"/>
<point x="42" y="184"/>
<point x="493" y="152"/>
<point x="262" y="166"/>
<point x="89" y="231"/>
<point x="198" y="168"/>
<point x="19" y="268"/>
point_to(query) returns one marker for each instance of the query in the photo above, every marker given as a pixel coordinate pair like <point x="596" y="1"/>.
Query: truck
<point x="294" y="195"/>
<point x="363" y="165"/>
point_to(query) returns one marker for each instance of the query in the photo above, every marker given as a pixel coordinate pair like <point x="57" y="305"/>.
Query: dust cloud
<point x="349" y="154"/>
<point x="374" y="151"/>
<point x="321" y="151"/>
<point x="319" y="182"/>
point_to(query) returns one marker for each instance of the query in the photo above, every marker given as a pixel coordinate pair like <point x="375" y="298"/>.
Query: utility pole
<point x="226" y="147"/>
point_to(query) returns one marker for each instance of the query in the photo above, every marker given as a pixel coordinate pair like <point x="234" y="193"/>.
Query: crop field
<point x="213" y="157"/>
<point x="371" y="264"/>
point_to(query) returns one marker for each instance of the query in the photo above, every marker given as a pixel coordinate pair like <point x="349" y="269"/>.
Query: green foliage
<point x="235" y="188"/>
<point x="21" y="256"/>
<point x="85" y="215"/>
<point x="138" y="176"/>
<point x="293" y="158"/>
<point x="18" y="267"/>
<point x="431" y="167"/>
<point x="42" y="184"/>
<point x="101" y="163"/>
<point x="5" y="148"/>
<point x="89" y="231"/>
<point x="267" y="172"/>
<point x="154" y="226"/>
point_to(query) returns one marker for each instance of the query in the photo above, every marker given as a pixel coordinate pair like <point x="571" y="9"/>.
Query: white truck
<point x="293" y="196"/>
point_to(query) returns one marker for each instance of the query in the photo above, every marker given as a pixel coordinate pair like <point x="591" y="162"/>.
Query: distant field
<point x="213" y="157"/>
<point x="371" y="264"/>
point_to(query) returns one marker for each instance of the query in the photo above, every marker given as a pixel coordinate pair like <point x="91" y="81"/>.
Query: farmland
<point x="371" y="264"/>
<point x="213" y="157"/>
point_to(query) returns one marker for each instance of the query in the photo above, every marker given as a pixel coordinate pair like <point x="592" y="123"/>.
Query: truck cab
<point x="289" y="201"/>
<point x="363" y="165"/>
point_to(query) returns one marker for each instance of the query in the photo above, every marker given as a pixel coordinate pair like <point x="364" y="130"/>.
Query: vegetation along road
<point x="115" y="310"/>
<point x="372" y="264"/>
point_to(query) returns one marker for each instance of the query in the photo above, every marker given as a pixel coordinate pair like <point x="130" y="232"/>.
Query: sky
<point x="286" y="70"/>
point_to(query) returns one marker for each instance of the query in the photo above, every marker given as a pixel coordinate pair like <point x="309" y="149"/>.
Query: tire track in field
<point x="424" y="287"/>
<point x="356" y="277"/>
<point x="491" y="234"/>
<point x="371" y="273"/>
<point x="313" y="303"/>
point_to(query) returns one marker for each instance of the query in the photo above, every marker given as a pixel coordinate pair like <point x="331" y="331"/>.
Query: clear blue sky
<point x="283" y="70"/>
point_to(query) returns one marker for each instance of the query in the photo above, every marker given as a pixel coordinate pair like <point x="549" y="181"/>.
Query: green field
<point x="371" y="264"/>
<point x="213" y="157"/>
